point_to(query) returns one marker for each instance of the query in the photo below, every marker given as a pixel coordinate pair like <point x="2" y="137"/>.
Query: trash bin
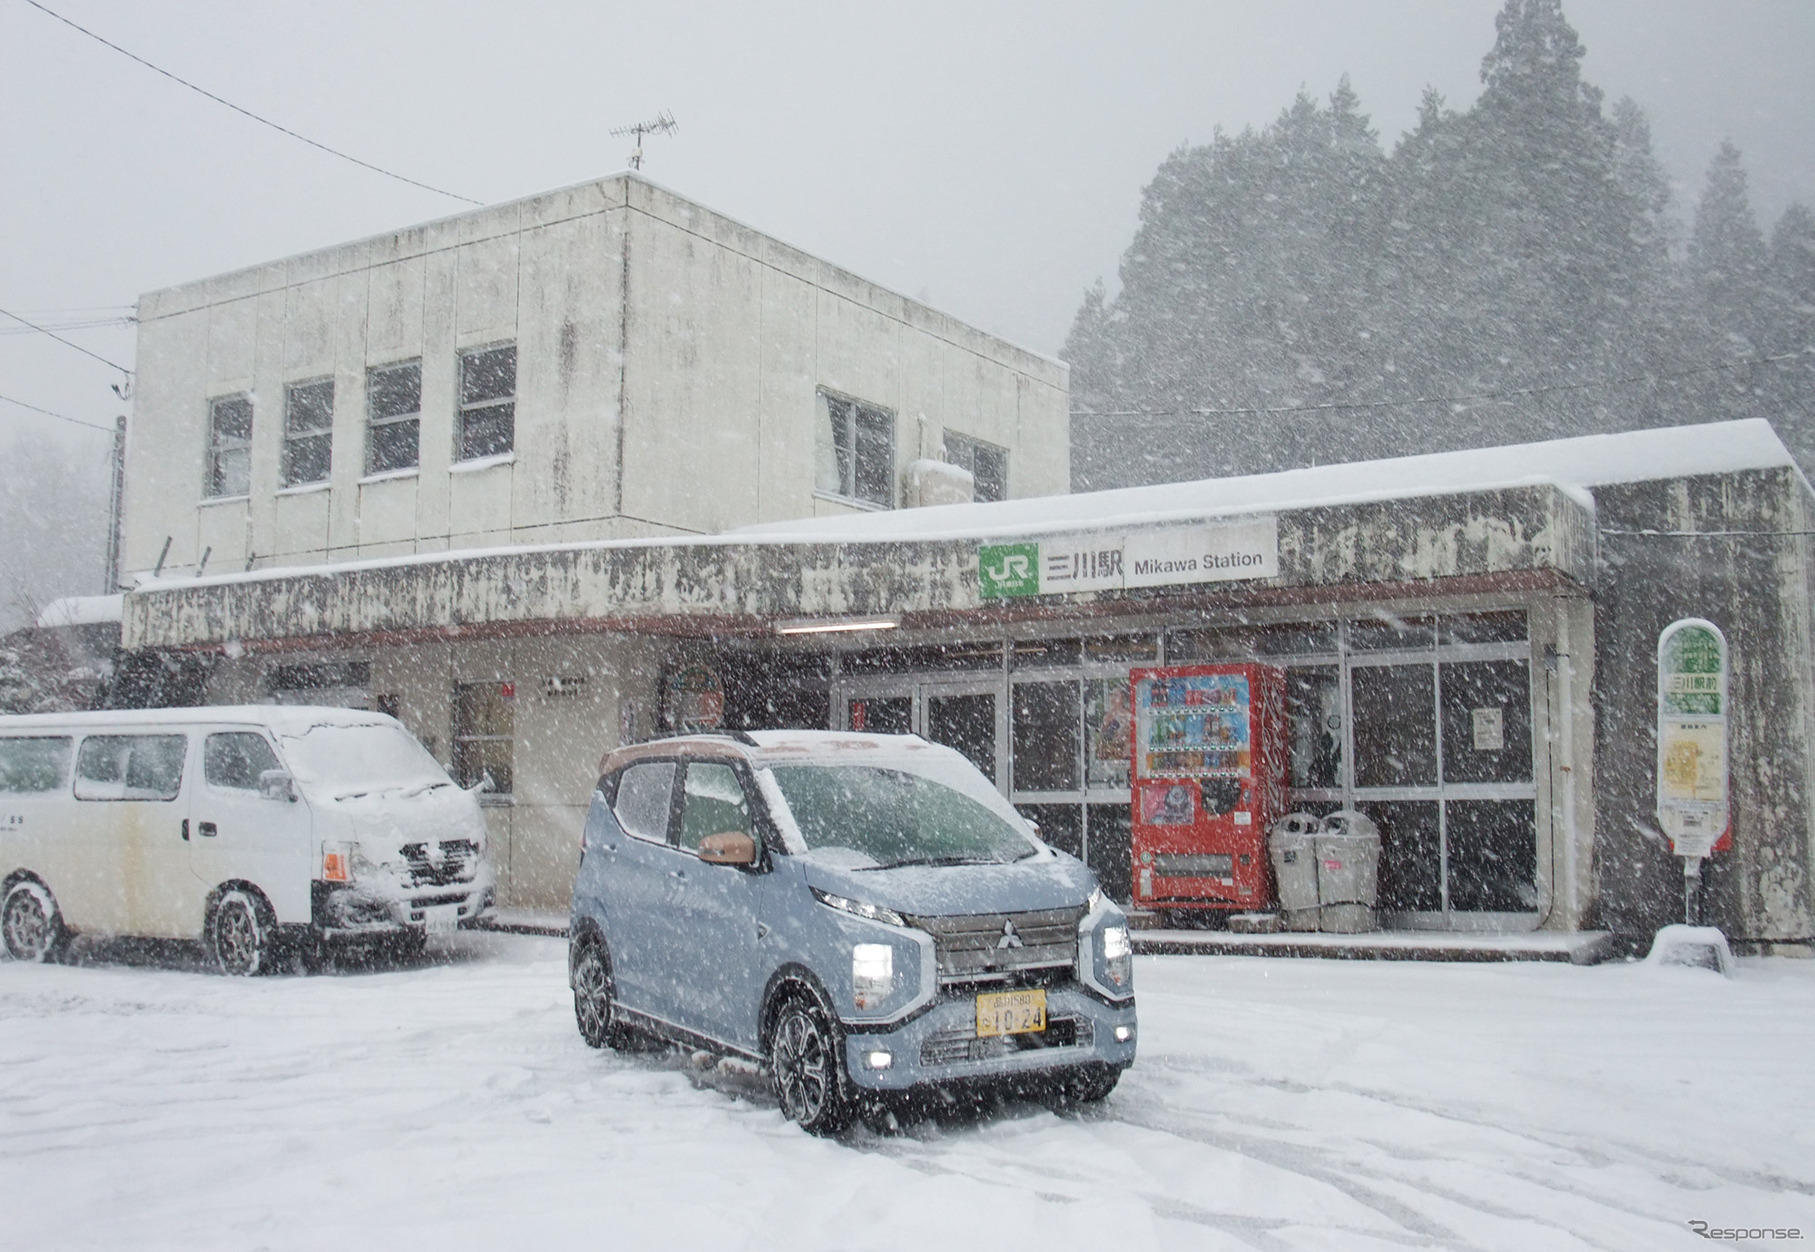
<point x="1290" y="842"/>
<point x="1348" y="872"/>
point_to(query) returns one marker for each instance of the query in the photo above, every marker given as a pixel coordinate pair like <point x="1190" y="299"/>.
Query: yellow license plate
<point x="1011" y="1012"/>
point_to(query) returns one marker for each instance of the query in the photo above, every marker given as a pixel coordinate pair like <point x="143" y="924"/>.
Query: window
<point x="33" y="764"/>
<point x="712" y="803"/>
<point x="393" y="416"/>
<point x="236" y="759"/>
<point x="229" y="446"/>
<point x="488" y="403"/>
<point x="308" y="432"/>
<point x="856" y="451"/>
<point x="644" y="795"/>
<point x="130" y="767"/>
<point x="987" y="462"/>
<point x="483" y="718"/>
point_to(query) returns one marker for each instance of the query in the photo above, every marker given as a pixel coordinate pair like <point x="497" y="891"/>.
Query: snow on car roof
<point x="285" y="719"/>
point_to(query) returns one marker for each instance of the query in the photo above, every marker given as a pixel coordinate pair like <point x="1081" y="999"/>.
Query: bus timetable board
<point x="1208" y="750"/>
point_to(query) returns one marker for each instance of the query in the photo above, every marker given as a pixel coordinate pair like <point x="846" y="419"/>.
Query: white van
<point x="256" y="829"/>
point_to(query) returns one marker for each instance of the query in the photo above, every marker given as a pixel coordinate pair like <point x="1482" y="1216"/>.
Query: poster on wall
<point x="1194" y="725"/>
<point x="1692" y="712"/>
<point x="695" y="699"/>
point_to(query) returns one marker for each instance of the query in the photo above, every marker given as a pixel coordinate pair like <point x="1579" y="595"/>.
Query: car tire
<point x="592" y="1004"/>
<point x="32" y="923"/>
<point x="1088" y="1086"/>
<point x="239" y="934"/>
<point x="806" y="1066"/>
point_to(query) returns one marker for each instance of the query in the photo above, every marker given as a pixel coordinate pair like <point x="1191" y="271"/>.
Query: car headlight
<point x="1118" y="955"/>
<point x="1094" y="901"/>
<point x="872" y="974"/>
<point x="871" y="912"/>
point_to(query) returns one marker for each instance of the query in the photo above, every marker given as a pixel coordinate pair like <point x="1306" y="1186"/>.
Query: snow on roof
<point x="81" y="611"/>
<point x="285" y="719"/>
<point x="1574" y="465"/>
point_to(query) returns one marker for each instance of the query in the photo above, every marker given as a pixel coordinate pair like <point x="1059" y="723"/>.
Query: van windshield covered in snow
<point x="353" y="760"/>
<point x="897" y="817"/>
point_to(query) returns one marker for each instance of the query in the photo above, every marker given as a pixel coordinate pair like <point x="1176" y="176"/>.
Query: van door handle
<point x="207" y="830"/>
<point x="185" y="830"/>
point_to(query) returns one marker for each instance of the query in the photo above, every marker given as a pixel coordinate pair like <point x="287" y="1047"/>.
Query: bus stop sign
<point x="1692" y="711"/>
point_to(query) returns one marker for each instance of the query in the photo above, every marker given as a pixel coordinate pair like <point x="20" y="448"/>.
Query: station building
<point x="679" y="500"/>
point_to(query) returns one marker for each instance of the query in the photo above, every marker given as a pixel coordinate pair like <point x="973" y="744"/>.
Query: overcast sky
<point x="985" y="157"/>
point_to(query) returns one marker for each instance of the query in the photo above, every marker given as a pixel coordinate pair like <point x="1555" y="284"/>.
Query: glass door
<point x="960" y="713"/>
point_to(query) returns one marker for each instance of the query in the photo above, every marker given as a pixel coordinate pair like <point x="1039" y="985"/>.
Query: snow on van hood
<point x="1047" y="880"/>
<point x="384" y="819"/>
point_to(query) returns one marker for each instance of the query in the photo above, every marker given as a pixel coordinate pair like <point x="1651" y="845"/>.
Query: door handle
<point x="185" y="830"/>
<point x="207" y="830"/>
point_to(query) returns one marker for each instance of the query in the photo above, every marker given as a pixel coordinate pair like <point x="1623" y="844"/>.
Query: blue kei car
<point x="864" y="915"/>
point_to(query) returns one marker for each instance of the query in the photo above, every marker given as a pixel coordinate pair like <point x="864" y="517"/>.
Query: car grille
<point x="455" y="861"/>
<point x="998" y="947"/>
<point x="950" y="1047"/>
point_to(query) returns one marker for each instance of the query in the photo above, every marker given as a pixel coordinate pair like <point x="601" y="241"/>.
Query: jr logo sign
<point x="1009" y="569"/>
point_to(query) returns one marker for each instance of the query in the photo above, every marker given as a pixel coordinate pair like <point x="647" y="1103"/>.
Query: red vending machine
<point x="1209" y="778"/>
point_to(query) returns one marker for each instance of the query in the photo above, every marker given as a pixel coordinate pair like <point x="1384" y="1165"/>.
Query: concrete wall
<point x="728" y="336"/>
<point x="1752" y="579"/>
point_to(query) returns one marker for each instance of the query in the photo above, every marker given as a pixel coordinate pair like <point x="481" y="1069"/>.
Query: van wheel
<point x="33" y="927"/>
<point x="592" y="1008"/>
<point x="238" y="937"/>
<point x="807" y="1068"/>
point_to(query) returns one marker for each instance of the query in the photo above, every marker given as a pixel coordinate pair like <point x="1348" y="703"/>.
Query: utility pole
<point x="115" y="495"/>
<point x="663" y="124"/>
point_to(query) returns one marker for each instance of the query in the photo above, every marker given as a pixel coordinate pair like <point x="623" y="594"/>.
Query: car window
<point x="899" y="816"/>
<point x="130" y="767"/>
<point x="712" y="802"/>
<point x="33" y="764"/>
<point x="644" y="794"/>
<point x="236" y="759"/>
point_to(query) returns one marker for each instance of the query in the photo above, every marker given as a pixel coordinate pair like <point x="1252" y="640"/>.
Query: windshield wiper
<point x="933" y="860"/>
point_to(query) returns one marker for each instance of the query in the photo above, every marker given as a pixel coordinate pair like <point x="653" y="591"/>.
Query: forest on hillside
<point x="1298" y="295"/>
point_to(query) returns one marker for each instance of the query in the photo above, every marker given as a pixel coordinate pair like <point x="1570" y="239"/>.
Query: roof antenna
<point x="663" y="124"/>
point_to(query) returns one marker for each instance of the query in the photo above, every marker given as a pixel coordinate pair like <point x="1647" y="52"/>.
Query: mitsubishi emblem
<point x="1009" y="938"/>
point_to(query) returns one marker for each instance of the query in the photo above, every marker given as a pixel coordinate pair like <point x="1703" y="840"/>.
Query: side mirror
<point x="485" y="785"/>
<point x="276" y="784"/>
<point x="728" y="847"/>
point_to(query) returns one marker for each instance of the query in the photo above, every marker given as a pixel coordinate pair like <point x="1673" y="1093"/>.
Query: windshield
<point x="896" y="817"/>
<point x="353" y="760"/>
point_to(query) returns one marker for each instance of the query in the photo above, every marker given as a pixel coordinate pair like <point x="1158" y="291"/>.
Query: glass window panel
<point x="1061" y="825"/>
<point x="875" y="457"/>
<point x="712" y="803"/>
<point x="1030" y="653"/>
<point x="967" y="723"/>
<point x="35" y="764"/>
<point x="236" y="760"/>
<point x="1122" y="648"/>
<point x="1046" y="733"/>
<point x="393" y="446"/>
<point x="490" y="374"/>
<point x="306" y="459"/>
<point x="484" y="719"/>
<point x="1110" y="850"/>
<point x="1298" y="639"/>
<point x="1485" y="628"/>
<point x="1411" y="857"/>
<point x="1387" y="633"/>
<point x="1395" y="725"/>
<point x="130" y="767"/>
<point x="1223" y="643"/>
<point x="309" y="407"/>
<point x="232" y="474"/>
<point x="488" y="431"/>
<point x="883" y="715"/>
<point x="989" y="473"/>
<point x="952" y="656"/>
<point x="229" y="446"/>
<point x="1314" y="714"/>
<point x="394" y="391"/>
<point x="1486" y="721"/>
<point x="1493" y="855"/>
<point x="1108" y="726"/>
<point x="644" y="795"/>
<point x="233" y="419"/>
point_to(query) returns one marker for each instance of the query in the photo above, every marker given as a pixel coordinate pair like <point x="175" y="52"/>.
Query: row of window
<point x="856" y="454"/>
<point x="484" y="423"/>
<point x="131" y="767"/>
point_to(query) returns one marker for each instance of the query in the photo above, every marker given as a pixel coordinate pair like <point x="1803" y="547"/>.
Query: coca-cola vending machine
<point x="1209" y="778"/>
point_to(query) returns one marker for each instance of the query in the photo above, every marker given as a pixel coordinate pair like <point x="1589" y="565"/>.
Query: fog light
<point x="879" y="1060"/>
<point x="1124" y="1033"/>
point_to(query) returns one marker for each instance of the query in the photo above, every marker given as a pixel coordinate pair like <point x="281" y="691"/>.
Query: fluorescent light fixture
<point x="831" y="626"/>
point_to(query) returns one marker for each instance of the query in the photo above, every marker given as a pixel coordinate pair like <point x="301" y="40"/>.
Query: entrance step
<point x="1579" y="947"/>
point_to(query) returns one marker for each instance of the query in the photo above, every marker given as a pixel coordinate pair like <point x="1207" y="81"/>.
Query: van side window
<point x="130" y="767"/>
<point x="644" y="793"/>
<point x="236" y="759"/>
<point x="712" y="803"/>
<point x="33" y="764"/>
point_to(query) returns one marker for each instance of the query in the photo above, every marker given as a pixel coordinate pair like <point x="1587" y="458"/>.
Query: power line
<point x="65" y="342"/>
<point x="62" y="416"/>
<point x="264" y="121"/>
<point x="1509" y="394"/>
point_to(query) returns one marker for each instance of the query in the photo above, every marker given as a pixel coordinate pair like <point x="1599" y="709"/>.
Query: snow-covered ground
<point x="1277" y="1104"/>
